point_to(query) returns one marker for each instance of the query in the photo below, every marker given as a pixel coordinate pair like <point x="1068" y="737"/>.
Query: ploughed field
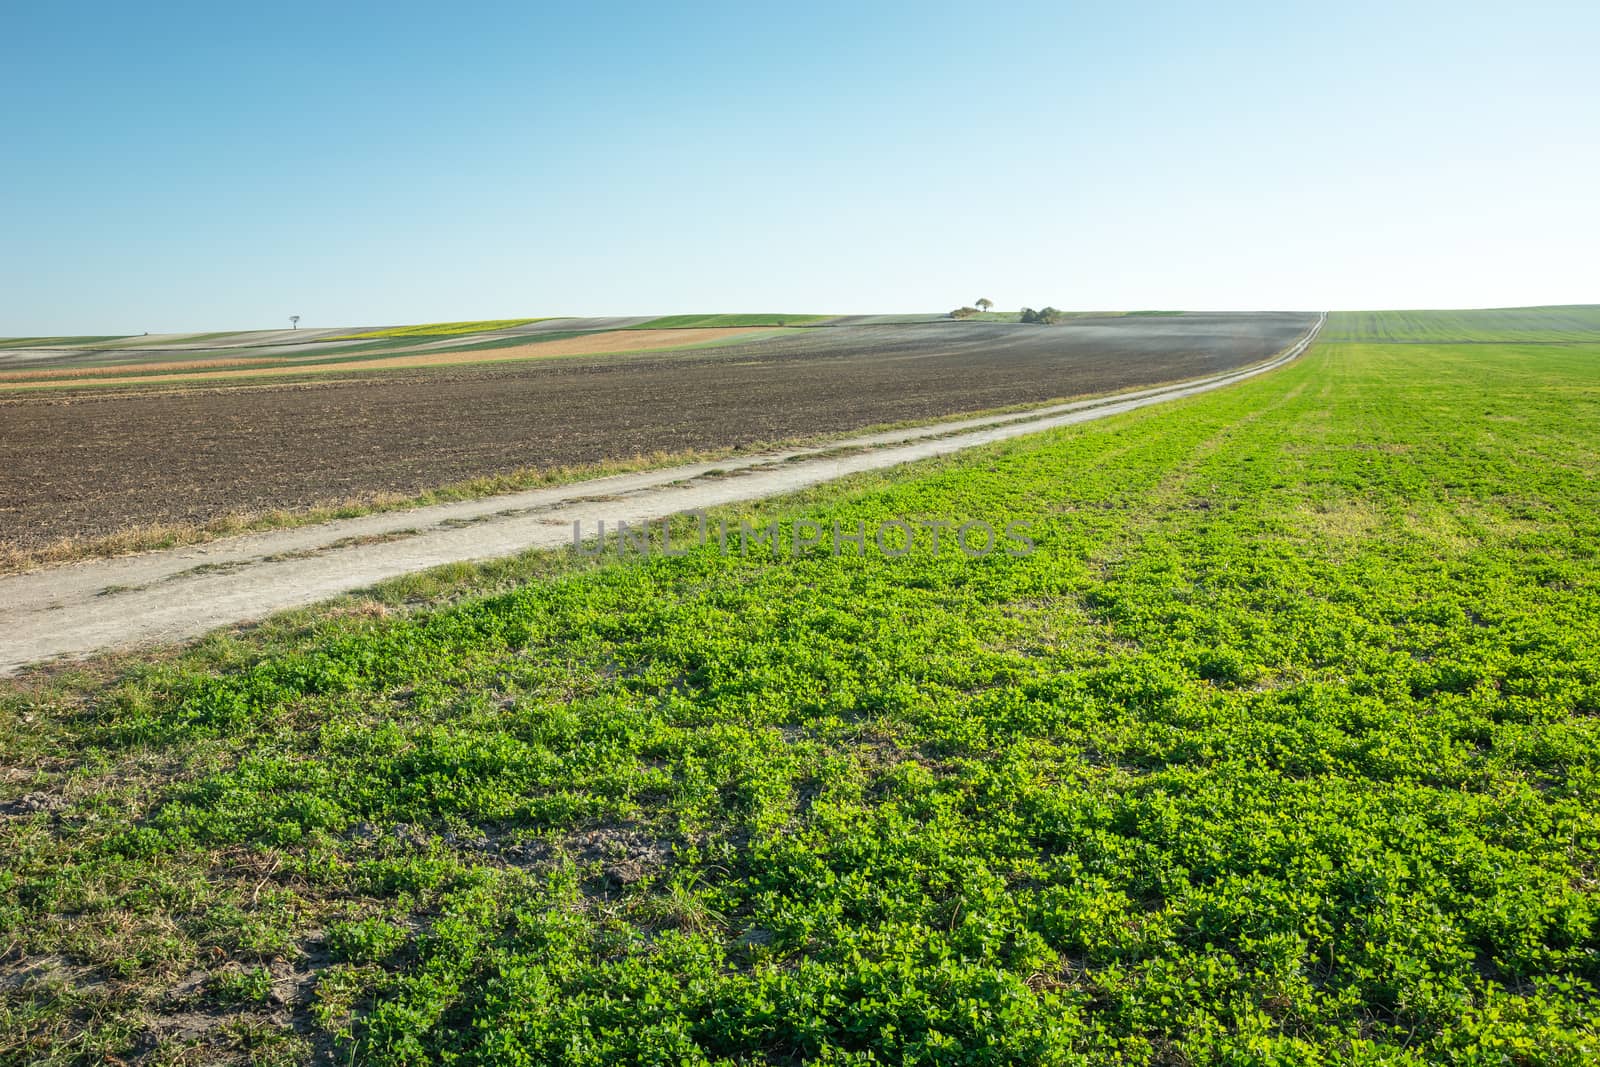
<point x="90" y="462"/>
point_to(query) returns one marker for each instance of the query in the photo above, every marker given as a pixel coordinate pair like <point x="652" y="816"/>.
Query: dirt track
<point x="81" y="464"/>
<point x="182" y="593"/>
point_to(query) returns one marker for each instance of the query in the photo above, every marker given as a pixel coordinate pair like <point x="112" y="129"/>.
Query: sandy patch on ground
<point x="617" y="341"/>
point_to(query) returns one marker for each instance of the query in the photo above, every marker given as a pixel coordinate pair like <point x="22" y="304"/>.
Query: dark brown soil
<point x="93" y="463"/>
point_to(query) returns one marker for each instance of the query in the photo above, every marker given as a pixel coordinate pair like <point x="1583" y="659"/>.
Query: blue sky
<point x="173" y="166"/>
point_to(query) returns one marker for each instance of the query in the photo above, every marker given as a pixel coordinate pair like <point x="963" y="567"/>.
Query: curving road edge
<point x="177" y="594"/>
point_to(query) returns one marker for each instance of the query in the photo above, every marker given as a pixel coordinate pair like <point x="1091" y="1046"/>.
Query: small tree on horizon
<point x="294" y="322"/>
<point x="984" y="303"/>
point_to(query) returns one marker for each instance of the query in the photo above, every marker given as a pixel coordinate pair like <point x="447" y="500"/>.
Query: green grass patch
<point x="1284" y="747"/>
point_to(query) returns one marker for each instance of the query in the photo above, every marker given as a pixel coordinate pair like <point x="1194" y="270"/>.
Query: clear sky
<point x="189" y="166"/>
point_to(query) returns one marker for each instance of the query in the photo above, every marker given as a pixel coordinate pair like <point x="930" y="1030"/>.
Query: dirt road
<point x="94" y="463"/>
<point x="74" y="610"/>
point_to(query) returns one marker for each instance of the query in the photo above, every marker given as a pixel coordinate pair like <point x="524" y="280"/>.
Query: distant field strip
<point x="224" y="370"/>
<point x="181" y="339"/>
<point x="1494" y="325"/>
<point x="121" y="372"/>
<point x="440" y="329"/>
<point x="681" y="322"/>
<point x="50" y="342"/>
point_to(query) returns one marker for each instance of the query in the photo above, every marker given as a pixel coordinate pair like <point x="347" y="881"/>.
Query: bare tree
<point x="294" y="322"/>
<point x="984" y="303"/>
